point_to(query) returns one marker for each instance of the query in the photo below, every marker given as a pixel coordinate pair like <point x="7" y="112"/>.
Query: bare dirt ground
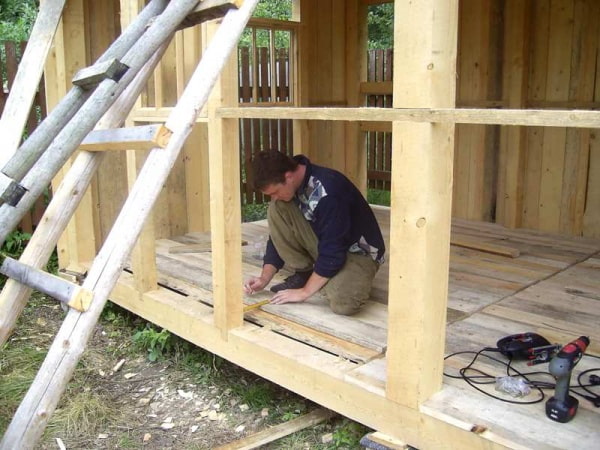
<point x="187" y="399"/>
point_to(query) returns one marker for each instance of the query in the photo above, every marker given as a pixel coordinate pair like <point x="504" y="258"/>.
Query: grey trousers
<point x="297" y="245"/>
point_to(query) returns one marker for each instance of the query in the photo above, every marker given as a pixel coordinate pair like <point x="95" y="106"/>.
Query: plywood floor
<point x="552" y="287"/>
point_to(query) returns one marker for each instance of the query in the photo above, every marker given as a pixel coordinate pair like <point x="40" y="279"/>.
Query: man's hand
<point x="254" y="284"/>
<point x="289" y="296"/>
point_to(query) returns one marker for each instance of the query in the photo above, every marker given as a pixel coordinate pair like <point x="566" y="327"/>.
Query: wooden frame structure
<point x="546" y="177"/>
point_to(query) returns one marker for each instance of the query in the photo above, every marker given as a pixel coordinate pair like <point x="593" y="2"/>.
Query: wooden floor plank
<point x="478" y="281"/>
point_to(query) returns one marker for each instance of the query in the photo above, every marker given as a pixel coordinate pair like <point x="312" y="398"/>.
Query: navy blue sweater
<point x="340" y="217"/>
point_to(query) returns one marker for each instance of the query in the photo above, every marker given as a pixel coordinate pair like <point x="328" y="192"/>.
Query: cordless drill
<point x="562" y="407"/>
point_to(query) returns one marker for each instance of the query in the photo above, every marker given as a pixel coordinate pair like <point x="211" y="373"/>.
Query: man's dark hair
<point x="269" y="167"/>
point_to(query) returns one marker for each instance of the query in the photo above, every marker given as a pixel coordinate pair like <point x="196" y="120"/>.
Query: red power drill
<point x="562" y="407"/>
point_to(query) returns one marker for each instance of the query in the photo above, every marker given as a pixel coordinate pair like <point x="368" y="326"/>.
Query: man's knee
<point x="345" y="307"/>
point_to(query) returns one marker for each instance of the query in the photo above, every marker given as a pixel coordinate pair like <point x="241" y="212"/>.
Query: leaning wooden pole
<point x="41" y="399"/>
<point x="20" y="98"/>
<point x="69" y="138"/>
<point x="43" y="135"/>
<point x="33" y="147"/>
<point x="65" y="200"/>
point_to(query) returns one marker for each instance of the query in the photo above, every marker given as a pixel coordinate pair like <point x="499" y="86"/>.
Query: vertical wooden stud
<point x="356" y="50"/>
<point x="225" y="214"/>
<point x="425" y="37"/>
<point x="70" y="52"/>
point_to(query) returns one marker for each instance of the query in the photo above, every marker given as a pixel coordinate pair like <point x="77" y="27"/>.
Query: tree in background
<point x="17" y="18"/>
<point x="380" y="23"/>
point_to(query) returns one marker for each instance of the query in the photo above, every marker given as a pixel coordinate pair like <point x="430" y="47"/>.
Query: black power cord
<point x="473" y="377"/>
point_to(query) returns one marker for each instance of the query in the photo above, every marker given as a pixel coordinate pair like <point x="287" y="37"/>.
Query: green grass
<point x="83" y="412"/>
<point x="18" y="367"/>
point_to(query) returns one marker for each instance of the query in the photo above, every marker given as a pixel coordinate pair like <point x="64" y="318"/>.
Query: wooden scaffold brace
<point x="40" y="401"/>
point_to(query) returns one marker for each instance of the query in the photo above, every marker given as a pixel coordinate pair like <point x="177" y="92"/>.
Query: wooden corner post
<point x="225" y="213"/>
<point x="425" y="34"/>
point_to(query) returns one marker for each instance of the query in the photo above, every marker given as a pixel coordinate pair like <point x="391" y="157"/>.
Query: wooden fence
<point x="261" y="83"/>
<point x="262" y="134"/>
<point x="10" y="55"/>
<point x="379" y="143"/>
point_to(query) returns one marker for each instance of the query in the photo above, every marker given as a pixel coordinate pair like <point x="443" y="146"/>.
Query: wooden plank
<point x="540" y="30"/>
<point x="24" y="87"/>
<point x="278" y="431"/>
<point x="513" y="139"/>
<point x="209" y="10"/>
<point x="421" y="195"/>
<point x="557" y="88"/>
<point x="90" y="77"/>
<point x="528" y="117"/>
<point x="471" y="189"/>
<point x="132" y="138"/>
<point x="486" y="247"/>
<point x="499" y="428"/>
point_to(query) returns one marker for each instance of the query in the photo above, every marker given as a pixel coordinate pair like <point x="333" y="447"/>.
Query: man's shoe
<point x="295" y="281"/>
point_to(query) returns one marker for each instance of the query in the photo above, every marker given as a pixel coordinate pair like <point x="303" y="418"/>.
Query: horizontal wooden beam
<point x="66" y="292"/>
<point x="134" y="138"/>
<point x="519" y="117"/>
<point x="159" y="115"/>
<point x="377" y="87"/>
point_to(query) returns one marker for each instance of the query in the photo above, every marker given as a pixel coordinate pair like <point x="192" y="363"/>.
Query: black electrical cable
<point x="491" y="379"/>
<point x="483" y="378"/>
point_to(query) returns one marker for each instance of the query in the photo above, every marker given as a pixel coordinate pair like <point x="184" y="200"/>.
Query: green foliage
<point x="254" y="211"/>
<point x="274" y="9"/>
<point x="348" y="434"/>
<point x="15" y="244"/>
<point x="17" y="18"/>
<point x="380" y="24"/>
<point x="158" y="344"/>
<point x="378" y="197"/>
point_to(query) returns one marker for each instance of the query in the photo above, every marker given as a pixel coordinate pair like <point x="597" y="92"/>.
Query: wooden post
<point x="356" y="48"/>
<point x="69" y="138"/>
<point x="225" y="214"/>
<point x="20" y="98"/>
<point x="64" y="202"/>
<point x="40" y="401"/>
<point x="425" y="36"/>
